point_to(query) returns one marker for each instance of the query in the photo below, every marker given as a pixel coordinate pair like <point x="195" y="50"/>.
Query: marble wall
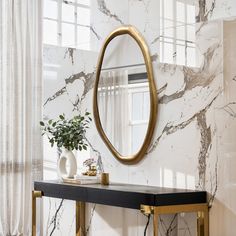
<point x="193" y="142"/>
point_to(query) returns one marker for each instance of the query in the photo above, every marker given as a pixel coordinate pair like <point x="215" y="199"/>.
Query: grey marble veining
<point x="195" y="77"/>
<point x="90" y="220"/>
<point x="168" y="228"/>
<point x="86" y="78"/>
<point x="170" y="129"/>
<point x="88" y="81"/>
<point x="70" y="52"/>
<point x="204" y="13"/>
<point x="53" y="221"/>
<point x="214" y="184"/>
<point x="230" y="109"/>
<point x="55" y="95"/>
<point x="205" y="133"/>
<point x="92" y="28"/>
<point x="103" y="8"/>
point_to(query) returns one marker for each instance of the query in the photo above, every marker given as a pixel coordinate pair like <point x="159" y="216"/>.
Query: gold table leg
<point x="155" y="221"/>
<point x="201" y="209"/>
<point x="203" y="223"/>
<point x="80" y="218"/>
<point x="35" y="195"/>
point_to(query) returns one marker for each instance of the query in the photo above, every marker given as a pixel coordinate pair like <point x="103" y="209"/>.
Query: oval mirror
<point x="125" y="96"/>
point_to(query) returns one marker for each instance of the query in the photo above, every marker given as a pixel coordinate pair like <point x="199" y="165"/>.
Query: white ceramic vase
<point x="67" y="165"/>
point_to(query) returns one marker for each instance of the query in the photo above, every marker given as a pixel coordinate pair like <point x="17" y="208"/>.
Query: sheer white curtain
<point x="20" y="111"/>
<point x="114" y="108"/>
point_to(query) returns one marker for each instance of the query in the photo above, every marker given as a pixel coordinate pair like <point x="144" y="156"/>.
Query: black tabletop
<point x="122" y="195"/>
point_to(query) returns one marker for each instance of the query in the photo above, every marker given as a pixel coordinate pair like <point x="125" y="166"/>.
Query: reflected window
<point x="139" y="112"/>
<point x="124" y="109"/>
<point x="67" y="23"/>
<point x="177" y="32"/>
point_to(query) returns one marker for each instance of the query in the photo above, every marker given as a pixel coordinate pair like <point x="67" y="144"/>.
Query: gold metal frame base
<point x="80" y="214"/>
<point x="35" y="195"/>
<point x="201" y="209"/>
<point x="80" y="219"/>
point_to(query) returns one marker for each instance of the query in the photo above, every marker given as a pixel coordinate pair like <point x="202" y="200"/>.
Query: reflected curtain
<point x="20" y="111"/>
<point x="114" y="108"/>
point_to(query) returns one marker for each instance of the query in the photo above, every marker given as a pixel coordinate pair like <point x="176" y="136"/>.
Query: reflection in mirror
<point x="123" y="95"/>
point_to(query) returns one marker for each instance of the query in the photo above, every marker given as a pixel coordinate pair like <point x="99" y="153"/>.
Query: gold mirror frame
<point x="133" y="32"/>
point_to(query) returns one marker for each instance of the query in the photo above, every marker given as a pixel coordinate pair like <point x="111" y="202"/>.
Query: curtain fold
<point x="20" y="111"/>
<point x="114" y="108"/>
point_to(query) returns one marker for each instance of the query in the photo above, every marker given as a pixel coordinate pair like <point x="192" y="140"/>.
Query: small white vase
<point x="67" y="157"/>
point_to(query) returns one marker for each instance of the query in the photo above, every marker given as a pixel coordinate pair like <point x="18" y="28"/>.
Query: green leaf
<point x="59" y="144"/>
<point x="69" y="133"/>
<point x="62" y="117"/>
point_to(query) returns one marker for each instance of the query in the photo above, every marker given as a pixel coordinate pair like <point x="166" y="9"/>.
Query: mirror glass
<point x="123" y="95"/>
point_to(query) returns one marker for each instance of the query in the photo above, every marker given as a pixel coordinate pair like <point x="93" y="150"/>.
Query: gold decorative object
<point x="133" y="32"/>
<point x="105" y="178"/>
<point x="92" y="171"/>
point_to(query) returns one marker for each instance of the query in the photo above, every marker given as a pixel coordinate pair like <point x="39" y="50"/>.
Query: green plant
<point x="67" y="133"/>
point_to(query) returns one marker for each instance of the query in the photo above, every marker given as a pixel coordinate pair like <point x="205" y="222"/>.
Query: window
<point x="177" y="32"/>
<point x="67" y="23"/>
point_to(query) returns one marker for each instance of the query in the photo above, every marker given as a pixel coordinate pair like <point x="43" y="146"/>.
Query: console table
<point x="149" y="200"/>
